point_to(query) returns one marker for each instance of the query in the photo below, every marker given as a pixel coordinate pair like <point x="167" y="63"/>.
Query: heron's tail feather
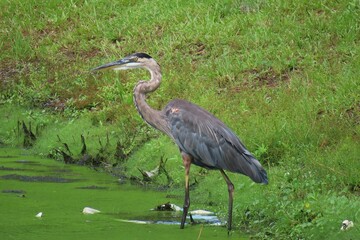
<point x="255" y="171"/>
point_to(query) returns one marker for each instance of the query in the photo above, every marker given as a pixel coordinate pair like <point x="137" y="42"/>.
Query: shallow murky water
<point x="30" y="185"/>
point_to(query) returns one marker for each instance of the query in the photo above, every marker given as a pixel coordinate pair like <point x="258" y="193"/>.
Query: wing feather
<point x="210" y="142"/>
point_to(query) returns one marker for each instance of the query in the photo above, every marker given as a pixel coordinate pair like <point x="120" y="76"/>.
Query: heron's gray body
<point x="209" y="141"/>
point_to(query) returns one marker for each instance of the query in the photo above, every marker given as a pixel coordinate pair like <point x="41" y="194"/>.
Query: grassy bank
<point x="283" y="75"/>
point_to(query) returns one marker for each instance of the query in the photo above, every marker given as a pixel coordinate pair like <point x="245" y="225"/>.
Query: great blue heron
<point x="202" y="138"/>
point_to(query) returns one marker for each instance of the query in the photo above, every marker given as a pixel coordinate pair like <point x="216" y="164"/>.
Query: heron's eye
<point x="135" y="59"/>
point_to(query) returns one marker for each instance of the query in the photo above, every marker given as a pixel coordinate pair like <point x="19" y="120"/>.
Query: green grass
<point x="284" y="75"/>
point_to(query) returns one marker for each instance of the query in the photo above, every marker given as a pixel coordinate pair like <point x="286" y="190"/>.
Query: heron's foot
<point x="192" y="221"/>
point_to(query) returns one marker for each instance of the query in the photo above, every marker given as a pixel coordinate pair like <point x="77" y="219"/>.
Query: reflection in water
<point x="25" y="178"/>
<point x="172" y="218"/>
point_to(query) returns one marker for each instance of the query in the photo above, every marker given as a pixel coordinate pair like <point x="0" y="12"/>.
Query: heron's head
<point x="136" y="60"/>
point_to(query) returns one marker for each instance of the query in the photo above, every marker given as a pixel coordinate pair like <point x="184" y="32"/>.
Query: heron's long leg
<point x="231" y="196"/>
<point x="187" y="162"/>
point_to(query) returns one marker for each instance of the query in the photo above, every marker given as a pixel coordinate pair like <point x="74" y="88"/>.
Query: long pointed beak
<point x="111" y="65"/>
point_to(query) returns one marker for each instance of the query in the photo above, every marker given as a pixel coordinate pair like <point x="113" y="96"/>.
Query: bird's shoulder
<point x="187" y="119"/>
<point x="190" y="114"/>
<point x="185" y="110"/>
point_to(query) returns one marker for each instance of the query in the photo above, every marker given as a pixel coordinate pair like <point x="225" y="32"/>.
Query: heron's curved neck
<point x="152" y="116"/>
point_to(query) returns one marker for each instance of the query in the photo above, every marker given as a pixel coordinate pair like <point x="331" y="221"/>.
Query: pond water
<point x="30" y="185"/>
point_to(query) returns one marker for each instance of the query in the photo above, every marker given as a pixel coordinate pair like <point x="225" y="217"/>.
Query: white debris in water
<point x="153" y="173"/>
<point x="39" y="215"/>
<point x="175" y="207"/>
<point x="195" y="212"/>
<point x="89" y="210"/>
<point x="201" y="212"/>
<point x="134" y="221"/>
<point x="346" y="224"/>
